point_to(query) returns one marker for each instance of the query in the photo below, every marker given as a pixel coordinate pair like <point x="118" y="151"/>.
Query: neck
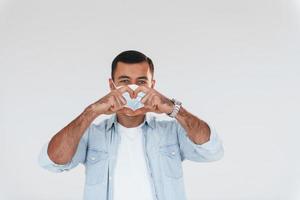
<point x="130" y="121"/>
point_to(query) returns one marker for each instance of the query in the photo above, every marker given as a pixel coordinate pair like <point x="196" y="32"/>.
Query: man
<point x="132" y="155"/>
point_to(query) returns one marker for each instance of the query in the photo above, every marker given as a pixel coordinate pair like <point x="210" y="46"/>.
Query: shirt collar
<point x="113" y="120"/>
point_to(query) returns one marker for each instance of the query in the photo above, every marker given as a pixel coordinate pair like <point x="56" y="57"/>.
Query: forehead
<point x="133" y="70"/>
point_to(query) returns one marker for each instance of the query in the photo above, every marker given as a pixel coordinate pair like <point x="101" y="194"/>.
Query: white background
<point x="234" y="63"/>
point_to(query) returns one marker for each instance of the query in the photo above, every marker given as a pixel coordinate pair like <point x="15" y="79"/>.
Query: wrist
<point x="171" y="107"/>
<point x="93" y="111"/>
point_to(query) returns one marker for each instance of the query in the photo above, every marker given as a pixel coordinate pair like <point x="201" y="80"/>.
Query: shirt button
<point x="173" y="152"/>
<point x="93" y="158"/>
<point x="110" y="177"/>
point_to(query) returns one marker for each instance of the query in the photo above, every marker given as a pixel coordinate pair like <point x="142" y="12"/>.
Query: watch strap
<point x="176" y="107"/>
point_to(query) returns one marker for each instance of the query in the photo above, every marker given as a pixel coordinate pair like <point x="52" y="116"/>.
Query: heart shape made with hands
<point x="136" y="103"/>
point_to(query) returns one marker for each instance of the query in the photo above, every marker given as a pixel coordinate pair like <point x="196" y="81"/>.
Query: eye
<point x="141" y="82"/>
<point x="124" y="81"/>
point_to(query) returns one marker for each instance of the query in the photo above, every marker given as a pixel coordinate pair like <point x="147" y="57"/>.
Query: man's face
<point x="136" y="73"/>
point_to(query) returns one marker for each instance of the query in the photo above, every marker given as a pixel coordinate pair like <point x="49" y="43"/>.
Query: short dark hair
<point x="131" y="56"/>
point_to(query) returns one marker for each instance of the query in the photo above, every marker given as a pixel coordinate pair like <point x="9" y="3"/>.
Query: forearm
<point x="197" y="129"/>
<point x="63" y="145"/>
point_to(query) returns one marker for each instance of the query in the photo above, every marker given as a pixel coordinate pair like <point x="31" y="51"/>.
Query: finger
<point x="145" y="98"/>
<point x="141" y="88"/>
<point x="116" y="104"/>
<point x="126" y="89"/>
<point x="112" y="84"/>
<point x="121" y="98"/>
<point x="112" y="103"/>
<point x="155" y="101"/>
<point x="151" y="103"/>
<point x="148" y="102"/>
<point x="119" y="102"/>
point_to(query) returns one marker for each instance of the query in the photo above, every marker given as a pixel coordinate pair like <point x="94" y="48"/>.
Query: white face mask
<point x="134" y="104"/>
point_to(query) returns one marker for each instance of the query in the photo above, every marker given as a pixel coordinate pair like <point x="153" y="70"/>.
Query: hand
<point x="153" y="101"/>
<point x="114" y="101"/>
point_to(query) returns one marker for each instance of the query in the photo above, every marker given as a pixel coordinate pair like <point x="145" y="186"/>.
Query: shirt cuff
<point x="213" y="142"/>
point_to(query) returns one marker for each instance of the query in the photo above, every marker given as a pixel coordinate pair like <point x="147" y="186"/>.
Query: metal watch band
<point x="177" y="105"/>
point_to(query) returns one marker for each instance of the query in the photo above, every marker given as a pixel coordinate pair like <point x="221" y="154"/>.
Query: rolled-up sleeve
<point x="211" y="150"/>
<point x="79" y="157"/>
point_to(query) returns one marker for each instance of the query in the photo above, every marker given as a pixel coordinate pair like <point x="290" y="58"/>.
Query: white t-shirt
<point x="131" y="177"/>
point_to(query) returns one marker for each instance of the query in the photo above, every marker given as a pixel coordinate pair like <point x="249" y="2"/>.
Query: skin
<point x="63" y="144"/>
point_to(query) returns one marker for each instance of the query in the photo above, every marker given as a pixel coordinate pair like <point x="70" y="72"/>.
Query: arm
<point x="79" y="157"/>
<point x="198" y="140"/>
<point x="68" y="147"/>
<point x="197" y="130"/>
<point x="63" y="145"/>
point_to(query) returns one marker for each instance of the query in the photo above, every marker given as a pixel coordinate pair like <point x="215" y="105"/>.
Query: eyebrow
<point x="143" y="77"/>
<point x="120" y="77"/>
<point x="127" y="77"/>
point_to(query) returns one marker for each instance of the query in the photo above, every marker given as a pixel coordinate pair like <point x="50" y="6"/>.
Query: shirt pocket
<point x="171" y="160"/>
<point x="95" y="166"/>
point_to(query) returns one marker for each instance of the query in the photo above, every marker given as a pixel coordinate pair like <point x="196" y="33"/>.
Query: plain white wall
<point x="234" y="63"/>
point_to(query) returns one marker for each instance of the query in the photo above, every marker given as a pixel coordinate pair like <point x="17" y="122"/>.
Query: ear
<point x="153" y="83"/>
<point x="112" y="85"/>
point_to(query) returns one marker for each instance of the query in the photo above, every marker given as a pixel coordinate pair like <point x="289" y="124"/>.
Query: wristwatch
<point x="177" y="105"/>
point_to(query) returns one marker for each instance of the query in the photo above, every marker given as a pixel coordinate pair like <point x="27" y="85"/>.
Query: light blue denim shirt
<point x="165" y="143"/>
